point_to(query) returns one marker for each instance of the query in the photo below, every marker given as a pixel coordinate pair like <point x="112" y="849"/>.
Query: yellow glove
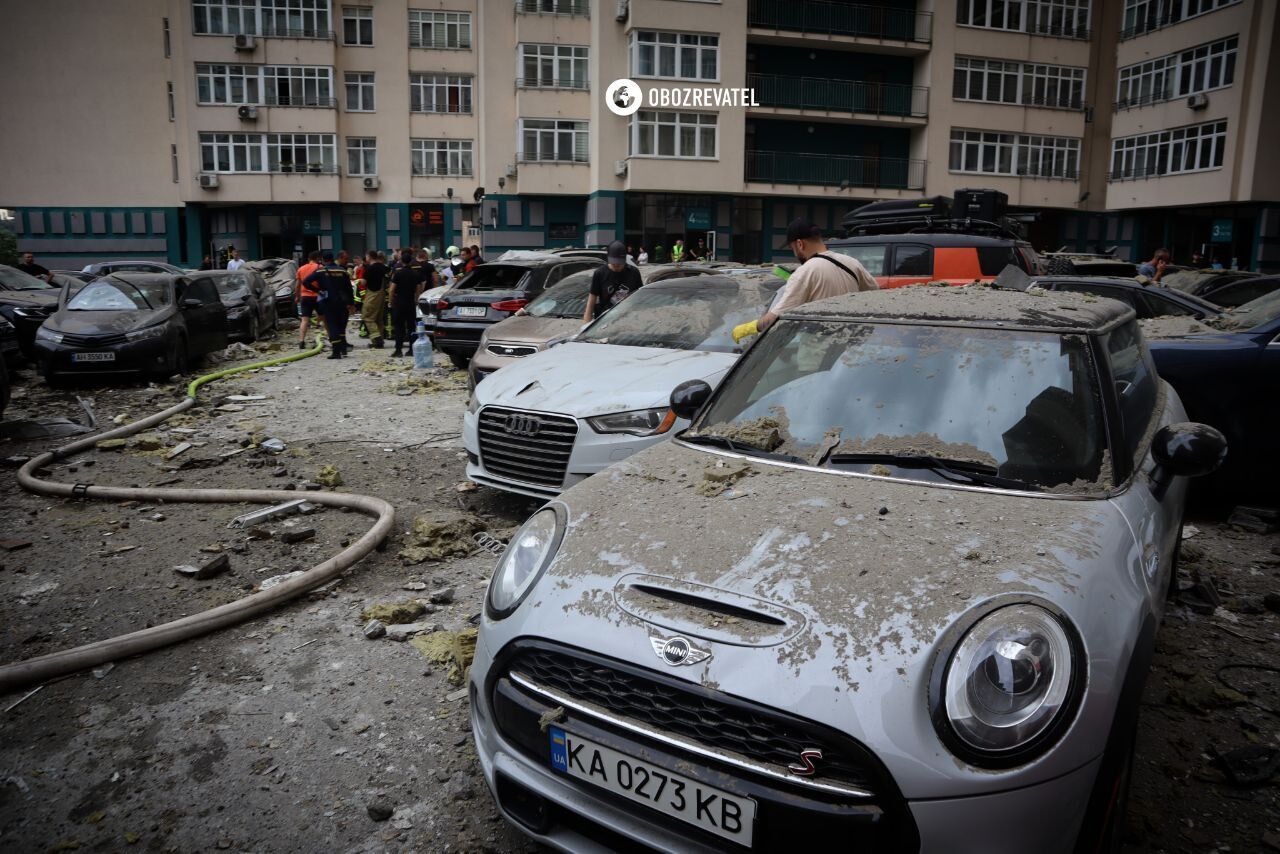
<point x="742" y="330"/>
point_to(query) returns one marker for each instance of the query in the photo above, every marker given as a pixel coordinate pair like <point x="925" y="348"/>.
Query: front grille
<point x="541" y="458"/>
<point x="749" y="731"/>
<point x="73" y="340"/>
<point x="512" y="350"/>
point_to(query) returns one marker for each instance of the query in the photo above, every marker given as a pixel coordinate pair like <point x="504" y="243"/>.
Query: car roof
<point x="140" y="278"/>
<point x="972" y="305"/>
<point x="933" y="238"/>
<point x="712" y="281"/>
<point x="1134" y="284"/>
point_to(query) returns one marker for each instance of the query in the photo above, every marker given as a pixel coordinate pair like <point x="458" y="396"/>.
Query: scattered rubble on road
<point x="441" y="535"/>
<point x="456" y="650"/>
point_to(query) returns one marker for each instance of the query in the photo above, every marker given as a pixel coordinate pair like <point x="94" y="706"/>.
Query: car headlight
<point x="638" y="422"/>
<point x="30" y="313"/>
<point x="49" y="335"/>
<point x="473" y="405"/>
<point x="147" y="333"/>
<point x="1009" y="685"/>
<point x="284" y="291"/>
<point x="528" y="554"/>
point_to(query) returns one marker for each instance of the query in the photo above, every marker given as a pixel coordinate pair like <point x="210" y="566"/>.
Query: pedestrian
<point x="612" y="283"/>
<point x="29" y="266"/>
<point x="1197" y="261"/>
<point x="643" y="257"/>
<point x="305" y="296"/>
<point x="207" y="263"/>
<point x="335" y="301"/>
<point x="700" y="253"/>
<point x="658" y="254"/>
<point x="677" y="252"/>
<point x="1154" y="268"/>
<point x="813" y="280"/>
<point x="374" y="307"/>
<point x="475" y="255"/>
<point x="1217" y="265"/>
<point x="468" y="260"/>
<point x="406" y="287"/>
<point x="234" y="261"/>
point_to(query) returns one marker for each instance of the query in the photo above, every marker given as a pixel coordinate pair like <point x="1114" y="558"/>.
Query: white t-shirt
<point x="235" y="264"/>
<point x="642" y="258"/>
<point x="819" y="278"/>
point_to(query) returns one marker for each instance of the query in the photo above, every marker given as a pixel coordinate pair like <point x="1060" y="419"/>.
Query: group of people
<point x="679" y="252"/>
<point x="1162" y="258"/>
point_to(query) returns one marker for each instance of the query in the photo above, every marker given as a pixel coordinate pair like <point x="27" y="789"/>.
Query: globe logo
<point x="623" y="97"/>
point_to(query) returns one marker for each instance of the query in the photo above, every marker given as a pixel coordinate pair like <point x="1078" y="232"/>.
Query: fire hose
<point x="44" y="667"/>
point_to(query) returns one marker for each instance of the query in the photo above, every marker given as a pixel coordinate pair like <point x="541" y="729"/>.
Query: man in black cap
<point x="336" y="301"/>
<point x="821" y="275"/>
<point x="612" y="283"/>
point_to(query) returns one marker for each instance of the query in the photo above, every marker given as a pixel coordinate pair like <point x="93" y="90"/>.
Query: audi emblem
<point x="523" y="425"/>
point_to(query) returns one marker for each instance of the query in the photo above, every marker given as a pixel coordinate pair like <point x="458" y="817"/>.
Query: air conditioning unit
<point x="511" y="170"/>
<point x="620" y="168"/>
<point x="247" y="113"/>
<point x="208" y="182"/>
<point x="622" y="10"/>
<point x="1198" y="102"/>
<point x="372" y="183"/>
<point x="245" y="42"/>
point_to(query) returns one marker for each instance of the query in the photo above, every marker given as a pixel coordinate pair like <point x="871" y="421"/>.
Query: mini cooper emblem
<point x="678" y="651"/>
<point x="805" y="767"/>
<point x="523" y="425"/>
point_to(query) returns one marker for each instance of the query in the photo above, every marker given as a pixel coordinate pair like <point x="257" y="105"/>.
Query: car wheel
<point x="1060" y="267"/>
<point x="460" y="360"/>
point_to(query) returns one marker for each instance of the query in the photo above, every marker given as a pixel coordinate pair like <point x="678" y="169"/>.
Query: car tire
<point x="460" y="360"/>
<point x="1060" y="267"/>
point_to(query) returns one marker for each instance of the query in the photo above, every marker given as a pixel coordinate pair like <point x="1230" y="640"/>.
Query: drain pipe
<point x="44" y="667"/>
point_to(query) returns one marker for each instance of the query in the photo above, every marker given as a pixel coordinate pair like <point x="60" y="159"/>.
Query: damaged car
<point x="551" y="419"/>
<point x="886" y="594"/>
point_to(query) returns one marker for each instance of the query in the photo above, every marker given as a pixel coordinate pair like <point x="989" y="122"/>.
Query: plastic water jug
<point x="422" y="356"/>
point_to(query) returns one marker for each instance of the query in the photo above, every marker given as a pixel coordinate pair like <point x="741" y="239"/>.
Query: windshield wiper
<point x="742" y="448"/>
<point x="136" y="288"/>
<point x="956" y="471"/>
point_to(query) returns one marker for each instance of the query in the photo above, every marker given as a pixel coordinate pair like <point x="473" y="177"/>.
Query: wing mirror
<point x="688" y="397"/>
<point x="1185" y="449"/>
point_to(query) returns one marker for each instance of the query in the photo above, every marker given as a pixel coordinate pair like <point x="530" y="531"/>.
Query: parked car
<point x="556" y="314"/>
<point x="945" y="256"/>
<point x="552" y="419"/>
<point x="144" y="323"/>
<point x="1146" y="300"/>
<point x="1086" y="264"/>
<point x="1203" y="283"/>
<point x="492" y="292"/>
<point x="8" y="353"/>
<point x="883" y="595"/>
<point x="251" y="306"/>
<point x="1228" y="375"/>
<point x="1237" y="292"/>
<point x="281" y="276"/>
<point x="105" y="268"/>
<point x="25" y="301"/>
<point x="73" y="274"/>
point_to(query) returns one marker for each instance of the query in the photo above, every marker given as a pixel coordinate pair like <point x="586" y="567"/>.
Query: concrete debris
<point x="402" y="633"/>
<point x="268" y="583"/>
<point x="466" y="486"/>
<point x="41" y="428"/>
<point x="394" y="613"/>
<point x="111" y="445"/>
<point x="460" y="787"/>
<point x="275" y="446"/>
<point x="212" y="548"/>
<point x="257" y="534"/>
<point x="12" y="545"/>
<point x="453" y="649"/>
<point x="374" y="629"/>
<point x="381" y="809"/>
<point x="208" y="569"/>
<point x="443" y="596"/>
<point x="241" y="398"/>
<point x="237" y="350"/>
<point x="549" y="717"/>
<point x="229" y="407"/>
<point x="329" y="476"/>
<point x="441" y="535"/>
<point x="1255" y="520"/>
<point x="180" y="448"/>
<point x="296" y="536"/>
<point x="414" y="586"/>
<point x="101" y="672"/>
<point x="1189" y="531"/>
<point x="718" y="477"/>
<point x="148" y="442"/>
<point x="454" y="696"/>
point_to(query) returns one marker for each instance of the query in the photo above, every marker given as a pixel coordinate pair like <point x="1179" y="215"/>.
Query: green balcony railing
<point x="841" y="19"/>
<point x="852" y="96"/>
<point x="830" y="170"/>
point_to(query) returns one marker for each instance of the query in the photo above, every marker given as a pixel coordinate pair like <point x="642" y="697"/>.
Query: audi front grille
<point x="531" y="447"/>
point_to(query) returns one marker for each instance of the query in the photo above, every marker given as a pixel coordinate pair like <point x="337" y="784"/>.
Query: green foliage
<point x="8" y="247"/>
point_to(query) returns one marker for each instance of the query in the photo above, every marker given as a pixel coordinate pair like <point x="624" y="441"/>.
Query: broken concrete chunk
<point x="297" y="536"/>
<point x="148" y="442"/>
<point x="444" y="596"/>
<point x="455" y="649"/>
<point x="275" y="446"/>
<point x="111" y="445"/>
<point x="720" y="476"/>
<point x="208" y="569"/>
<point x="381" y="809"/>
<point x="275" y="580"/>
<point x="1256" y="520"/>
<point x="436" y="536"/>
<point x="374" y="629"/>
<point x="404" y="632"/>
<point x="394" y="613"/>
<point x="14" y="544"/>
<point x="329" y="476"/>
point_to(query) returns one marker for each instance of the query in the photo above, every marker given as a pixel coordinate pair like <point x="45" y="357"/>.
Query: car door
<point x="207" y="321"/>
<point x="910" y="264"/>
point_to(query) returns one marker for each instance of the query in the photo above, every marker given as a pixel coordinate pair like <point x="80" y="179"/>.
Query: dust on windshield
<point x="16" y="280"/>
<point x="565" y="299"/>
<point x="120" y="295"/>
<point x="232" y="285"/>
<point x="697" y="315"/>
<point x="1249" y="316"/>
<point x="940" y="403"/>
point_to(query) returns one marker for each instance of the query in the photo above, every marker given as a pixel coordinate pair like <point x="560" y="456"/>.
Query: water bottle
<point x="423" y="358"/>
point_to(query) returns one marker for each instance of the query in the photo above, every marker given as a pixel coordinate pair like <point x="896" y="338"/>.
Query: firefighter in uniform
<point x="336" y="301"/>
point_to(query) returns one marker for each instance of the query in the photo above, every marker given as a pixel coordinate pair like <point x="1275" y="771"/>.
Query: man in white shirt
<point x="233" y="259"/>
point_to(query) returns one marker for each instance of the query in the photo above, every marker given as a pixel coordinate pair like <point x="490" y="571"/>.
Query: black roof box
<point x="938" y="206"/>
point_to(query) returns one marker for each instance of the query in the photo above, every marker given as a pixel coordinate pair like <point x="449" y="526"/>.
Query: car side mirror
<point x="688" y="397"/>
<point x="191" y="303"/>
<point x="1186" y="449"/>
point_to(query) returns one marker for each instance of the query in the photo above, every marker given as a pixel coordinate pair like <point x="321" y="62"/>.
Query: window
<point x="554" y="7"/>
<point x="870" y="255"/>
<point x="1032" y="155"/>
<point x="440" y="30"/>
<point x="554" y="140"/>
<point x="1195" y="148"/>
<point x="441" y="156"/>
<point x="663" y="134"/>
<point x="166" y="38"/>
<point x="912" y="259"/>
<point x="679" y="55"/>
<point x="172" y="113"/>
<point x="268" y="152"/>
<point x="228" y="84"/>
<point x="224" y="17"/>
<point x="1198" y="69"/>
<point x="296" y="18"/>
<point x="1144" y="16"/>
<point x="357" y="25"/>
<point x="272" y="85"/>
<point x="553" y="66"/>
<point x="1133" y="375"/>
<point x="1026" y="83"/>
<point x="359" y="86"/>
<point x="439" y="93"/>
<point x="173" y="161"/>
<point x="1064" y="18"/>
<point x="362" y="156"/>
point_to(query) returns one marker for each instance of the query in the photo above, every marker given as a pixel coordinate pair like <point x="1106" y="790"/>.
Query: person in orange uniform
<point x="305" y="296"/>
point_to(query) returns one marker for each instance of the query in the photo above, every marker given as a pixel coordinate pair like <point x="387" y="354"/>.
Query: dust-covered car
<point x="895" y="590"/>
<point x="281" y="276"/>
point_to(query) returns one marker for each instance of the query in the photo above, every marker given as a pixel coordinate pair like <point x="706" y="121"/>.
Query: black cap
<point x="327" y="255"/>
<point x="617" y="252"/>
<point x="802" y="229"/>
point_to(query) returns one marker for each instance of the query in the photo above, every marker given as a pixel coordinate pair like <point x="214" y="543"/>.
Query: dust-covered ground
<point x="282" y="733"/>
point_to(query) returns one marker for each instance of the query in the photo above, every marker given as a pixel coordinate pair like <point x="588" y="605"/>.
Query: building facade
<point x="281" y="126"/>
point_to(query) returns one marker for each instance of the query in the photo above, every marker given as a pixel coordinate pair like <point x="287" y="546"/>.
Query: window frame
<point x="365" y="149"/>
<point x="360" y="87"/>
<point x="420" y="82"/>
<point x="458" y="23"/>
<point x="1151" y="155"/>
<point x="678" y="121"/>
<point x="256" y="153"/>
<point x="1033" y="17"/>
<point x="461" y="151"/>
<point x="579" y="140"/>
<point x="357" y="15"/>
<point x="1013" y="153"/>
<point x="252" y="81"/>
<point x="541" y="53"/>
<point x="678" y="44"/>
<point x="1164" y="78"/>
<point x="1134" y="23"/>
<point x="1023" y="77"/>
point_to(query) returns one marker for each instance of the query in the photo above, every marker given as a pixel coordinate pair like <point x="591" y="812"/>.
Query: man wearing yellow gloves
<point x="820" y="276"/>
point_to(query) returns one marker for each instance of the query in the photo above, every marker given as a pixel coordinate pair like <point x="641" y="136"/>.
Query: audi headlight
<point x="1009" y="686"/>
<point x="147" y="333"/>
<point x="530" y="551"/>
<point x="473" y="405"/>
<point x="45" y="334"/>
<point x="638" y="422"/>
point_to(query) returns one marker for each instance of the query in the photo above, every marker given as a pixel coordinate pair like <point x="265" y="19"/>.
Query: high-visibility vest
<point x="677" y="253"/>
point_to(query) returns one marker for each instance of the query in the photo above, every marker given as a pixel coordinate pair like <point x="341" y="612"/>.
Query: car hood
<point x="591" y="379"/>
<point x="38" y="299"/>
<point x="532" y="330"/>
<point x="104" y="322"/>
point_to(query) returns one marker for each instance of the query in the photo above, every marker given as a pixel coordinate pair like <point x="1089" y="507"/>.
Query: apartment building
<point x="175" y="128"/>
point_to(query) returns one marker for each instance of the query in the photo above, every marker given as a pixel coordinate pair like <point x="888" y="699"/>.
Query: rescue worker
<point x="336" y="301"/>
<point x="374" y="308"/>
<point x="305" y="297"/>
<point x="406" y="287"/>
<point x="677" y="252"/>
<point x="820" y="276"/>
<point x="356" y="271"/>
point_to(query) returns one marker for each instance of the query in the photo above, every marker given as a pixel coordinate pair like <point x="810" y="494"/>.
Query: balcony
<point x="438" y="42"/>
<point x="828" y="170"/>
<point x="841" y="19"/>
<point x="554" y="7"/>
<point x="551" y="157"/>
<point x="550" y="83"/>
<point x="313" y="101"/>
<point x="849" y="96"/>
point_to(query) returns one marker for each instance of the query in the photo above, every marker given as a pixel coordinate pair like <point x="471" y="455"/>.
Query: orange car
<point x="910" y="259"/>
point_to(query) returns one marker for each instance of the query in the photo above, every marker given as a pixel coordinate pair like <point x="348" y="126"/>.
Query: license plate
<point x="93" y="357"/>
<point x="714" y="810"/>
<point x="472" y="311"/>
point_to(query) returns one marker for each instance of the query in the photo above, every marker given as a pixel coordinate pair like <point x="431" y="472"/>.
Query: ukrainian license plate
<point x="93" y="357"/>
<point x="714" y="810"/>
<point x="471" y="311"/>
